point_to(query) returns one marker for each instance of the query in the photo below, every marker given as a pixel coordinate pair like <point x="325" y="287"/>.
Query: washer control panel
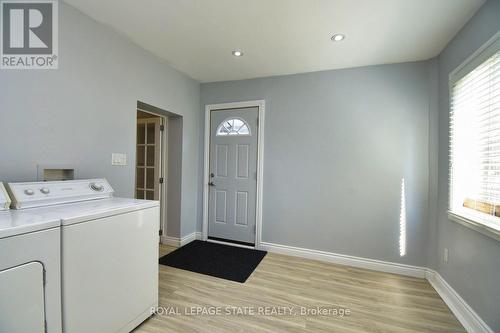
<point x="38" y="194"/>
<point x="4" y="198"/>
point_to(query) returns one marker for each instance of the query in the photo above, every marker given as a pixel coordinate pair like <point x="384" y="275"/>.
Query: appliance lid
<point x="4" y="198"/>
<point x="96" y="209"/>
<point x="40" y="194"/>
<point x="13" y="222"/>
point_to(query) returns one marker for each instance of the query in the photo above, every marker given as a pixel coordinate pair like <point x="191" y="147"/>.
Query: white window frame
<point x="472" y="221"/>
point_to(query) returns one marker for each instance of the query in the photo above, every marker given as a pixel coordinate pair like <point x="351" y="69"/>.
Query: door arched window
<point x="233" y="126"/>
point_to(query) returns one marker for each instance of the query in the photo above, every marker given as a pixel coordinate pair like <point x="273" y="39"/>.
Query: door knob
<point x="211" y="184"/>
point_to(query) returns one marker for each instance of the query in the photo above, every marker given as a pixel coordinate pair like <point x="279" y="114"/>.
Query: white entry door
<point x="233" y="175"/>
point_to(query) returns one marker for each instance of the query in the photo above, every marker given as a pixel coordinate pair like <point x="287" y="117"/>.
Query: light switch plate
<point x="118" y="159"/>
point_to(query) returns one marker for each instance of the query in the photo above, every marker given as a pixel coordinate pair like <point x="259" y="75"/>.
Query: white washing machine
<point x="109" y="252"/>
<point x="30" y="275"/>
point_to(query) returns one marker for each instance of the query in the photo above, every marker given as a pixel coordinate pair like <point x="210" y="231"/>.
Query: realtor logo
<point x="29" y="38"/>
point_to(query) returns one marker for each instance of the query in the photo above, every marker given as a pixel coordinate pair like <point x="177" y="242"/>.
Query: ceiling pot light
<point x="237" y="53"/>
<point x="338" y="37"/>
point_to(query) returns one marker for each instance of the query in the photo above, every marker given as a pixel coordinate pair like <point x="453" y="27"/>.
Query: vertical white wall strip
<point x="402" y="221"/>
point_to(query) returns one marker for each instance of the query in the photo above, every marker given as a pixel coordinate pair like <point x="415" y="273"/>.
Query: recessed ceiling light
<point x="338" y="37"/>
<point x="237" y="53"/>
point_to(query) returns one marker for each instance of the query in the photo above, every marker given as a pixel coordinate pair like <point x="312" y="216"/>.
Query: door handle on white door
<point x="211" y="184"/>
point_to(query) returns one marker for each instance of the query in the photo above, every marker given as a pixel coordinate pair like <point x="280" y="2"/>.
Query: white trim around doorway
<point x="260" y="104"/>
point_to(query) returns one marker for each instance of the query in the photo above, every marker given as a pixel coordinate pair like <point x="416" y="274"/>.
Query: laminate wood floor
<point x="275" y="296"/>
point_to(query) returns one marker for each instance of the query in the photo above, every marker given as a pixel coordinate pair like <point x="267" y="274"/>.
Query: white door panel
<point x="42" y="248"/>
<point x="22" y="307"/>
<point x="233" y="174"/>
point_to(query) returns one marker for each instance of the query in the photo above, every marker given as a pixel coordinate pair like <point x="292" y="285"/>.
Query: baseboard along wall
<point x="464" y="313"/>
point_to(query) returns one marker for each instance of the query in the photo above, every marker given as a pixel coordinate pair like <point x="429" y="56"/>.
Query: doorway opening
<point x="158" y="165"/>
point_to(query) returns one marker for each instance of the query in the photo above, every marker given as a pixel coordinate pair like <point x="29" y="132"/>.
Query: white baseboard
<point x="171" y="241"/>
<point x="464" y="313"/>
<point x="178" y="242"/>
<point x="342" y="259"/>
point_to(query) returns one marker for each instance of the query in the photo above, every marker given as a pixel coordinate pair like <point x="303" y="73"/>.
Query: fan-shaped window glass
<point x="233" y="126"/>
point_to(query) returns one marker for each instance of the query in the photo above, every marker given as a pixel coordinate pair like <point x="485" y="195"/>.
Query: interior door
<point x="148" y="168"/>
<point x="233" y="175"/>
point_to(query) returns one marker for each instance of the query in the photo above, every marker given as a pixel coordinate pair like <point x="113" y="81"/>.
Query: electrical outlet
<point x="445" y="256"/>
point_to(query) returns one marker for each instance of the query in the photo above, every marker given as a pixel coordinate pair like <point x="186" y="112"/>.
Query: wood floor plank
<point x="378" y="302"/>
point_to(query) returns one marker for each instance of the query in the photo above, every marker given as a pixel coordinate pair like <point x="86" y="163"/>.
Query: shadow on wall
<point x="172" y="169"/>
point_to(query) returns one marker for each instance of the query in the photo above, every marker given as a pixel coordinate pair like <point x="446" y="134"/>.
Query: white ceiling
<point x="282" y="36"/>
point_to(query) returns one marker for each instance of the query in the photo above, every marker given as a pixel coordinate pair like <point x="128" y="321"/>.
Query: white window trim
<point x="476" y="224"/>
<point x="473" y="220"/>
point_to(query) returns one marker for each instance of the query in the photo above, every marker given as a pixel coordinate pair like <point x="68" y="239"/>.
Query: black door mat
<point x="219" y="260"/>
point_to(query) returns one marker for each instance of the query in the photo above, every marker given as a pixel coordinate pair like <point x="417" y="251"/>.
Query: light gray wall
<point x="337" y="144"/>
<point x="473" y="269"/>
<point x="174" y="176"/>
<point x="86" y="110"/>
<point x="433" y="161"/>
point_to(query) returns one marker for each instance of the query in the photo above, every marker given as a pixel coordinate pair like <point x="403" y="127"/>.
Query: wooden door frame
<point x="163" y="167"/>
<point x="261" y="105"/>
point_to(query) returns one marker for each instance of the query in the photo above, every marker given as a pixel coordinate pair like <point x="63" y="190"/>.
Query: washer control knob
<point x="45" y="190"/>
<point x="29" y="191"/>
<point x="97" y="187"/>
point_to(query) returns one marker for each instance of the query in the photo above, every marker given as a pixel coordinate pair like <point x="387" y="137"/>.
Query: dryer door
<point x="21" y="299"/>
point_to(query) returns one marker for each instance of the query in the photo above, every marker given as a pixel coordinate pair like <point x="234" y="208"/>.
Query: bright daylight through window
<point x="475" y="143"/>
<point x="233" y="126"/>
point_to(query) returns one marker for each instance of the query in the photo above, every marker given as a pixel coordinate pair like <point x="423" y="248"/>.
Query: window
<point x="233" y="126"/>
<point x="475" y="141"/>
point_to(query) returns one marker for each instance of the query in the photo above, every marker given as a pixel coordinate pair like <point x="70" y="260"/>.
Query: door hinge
<point x="162" y="127"/>
<point x="162" y="180"/>
<point x="160" y="232"/>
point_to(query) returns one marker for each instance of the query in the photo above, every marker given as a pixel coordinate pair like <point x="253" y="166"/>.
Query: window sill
<point x="486" y="228"/>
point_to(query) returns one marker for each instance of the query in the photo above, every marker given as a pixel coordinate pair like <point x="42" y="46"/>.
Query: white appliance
<point x="109" y="252"/>
<point x="30" y="275"/>
<point x="4" y="198"/>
